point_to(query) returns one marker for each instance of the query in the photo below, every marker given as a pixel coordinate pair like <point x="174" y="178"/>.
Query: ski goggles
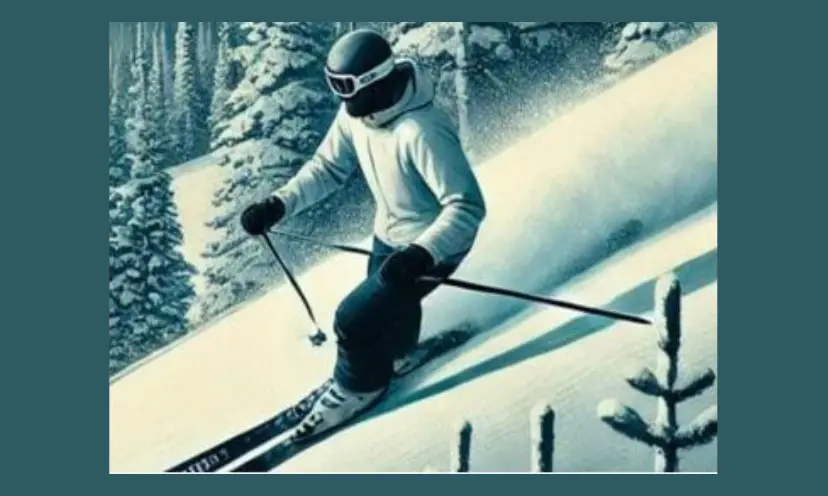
<point x="347" y="85"/>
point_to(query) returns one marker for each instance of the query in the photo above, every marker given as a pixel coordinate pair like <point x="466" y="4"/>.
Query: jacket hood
<point x="419" y="93"/>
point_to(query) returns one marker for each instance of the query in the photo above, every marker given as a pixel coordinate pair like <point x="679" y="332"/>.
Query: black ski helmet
<point x="360" y="70"/>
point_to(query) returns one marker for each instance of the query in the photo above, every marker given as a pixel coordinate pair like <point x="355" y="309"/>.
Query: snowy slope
<point x="193" y="185"/>
<point x="192" y="167"/>
<point x="645" y="150"/>
<point x="555" y="356"/>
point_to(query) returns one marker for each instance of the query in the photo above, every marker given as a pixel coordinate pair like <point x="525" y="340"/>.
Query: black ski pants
<point x="378" y="322"/>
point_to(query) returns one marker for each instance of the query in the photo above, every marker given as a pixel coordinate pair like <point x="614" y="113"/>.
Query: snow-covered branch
<point x="701" y="430"/>
<point x="645" y="382"/>
<point x="695" y="386"/>
<point x="627" y="421"/>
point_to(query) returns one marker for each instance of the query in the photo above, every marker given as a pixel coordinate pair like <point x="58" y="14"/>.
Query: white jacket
<point x="410" y="155"/>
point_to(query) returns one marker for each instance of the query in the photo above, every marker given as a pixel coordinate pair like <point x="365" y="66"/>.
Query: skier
<point x="429" y="210"/>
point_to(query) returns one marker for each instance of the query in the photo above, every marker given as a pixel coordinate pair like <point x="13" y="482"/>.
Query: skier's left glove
<point x="260" y="216"/>
<point x="405" y="266"/>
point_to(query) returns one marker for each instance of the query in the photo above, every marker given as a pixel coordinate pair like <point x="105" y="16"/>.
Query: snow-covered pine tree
<point x="129" y="284"/>
<point x="118" y="167"/>
<point x="167" y="48"/>
<point x="463" y="65"/>
<point x="223" y="82"/>
<point x="168" y="290"/>
<point x="143" y="51"/>
<point x="136" y="129"/>
<point x="249" y="42"/>
<point x="188" y="123"/>
<point x="122" y="296"/>
<point x="250" y="38"/>
<point x="111" y="69"/>
<point x="206" y="56"/>
<point x="159" y="141"/>
<point x="275" y="119"/>
<point x="239" y="56"/>
<point x="150" y="286"/>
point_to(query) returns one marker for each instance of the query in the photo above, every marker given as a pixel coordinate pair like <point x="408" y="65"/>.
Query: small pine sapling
<point x="461" y="448"/>
<point x="542" y="420"/>
<point x="664" y="434"/>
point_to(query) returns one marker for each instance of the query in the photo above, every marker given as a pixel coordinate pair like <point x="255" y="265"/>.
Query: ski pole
<point x="318" y="337"/>
<point x="482" y="288"/>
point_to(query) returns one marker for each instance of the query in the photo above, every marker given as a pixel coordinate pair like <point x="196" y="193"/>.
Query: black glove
<point x="405" y="266"/>
<point x="261" y="216"/>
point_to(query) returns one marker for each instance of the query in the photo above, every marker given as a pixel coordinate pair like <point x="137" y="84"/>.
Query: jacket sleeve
<point x="325" y="172"/>
<point x="444" y="167"/>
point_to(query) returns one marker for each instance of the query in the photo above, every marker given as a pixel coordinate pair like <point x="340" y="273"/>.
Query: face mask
<point x="374" y="98"/>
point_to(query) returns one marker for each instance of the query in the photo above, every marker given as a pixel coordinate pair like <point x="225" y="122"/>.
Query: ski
<point x="429" y="350"/>
<point x="230" y="450"/>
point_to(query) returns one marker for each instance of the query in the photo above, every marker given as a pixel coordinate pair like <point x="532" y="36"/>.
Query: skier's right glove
<point x="405" y="266"/>
<point x="260" y="216"/>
